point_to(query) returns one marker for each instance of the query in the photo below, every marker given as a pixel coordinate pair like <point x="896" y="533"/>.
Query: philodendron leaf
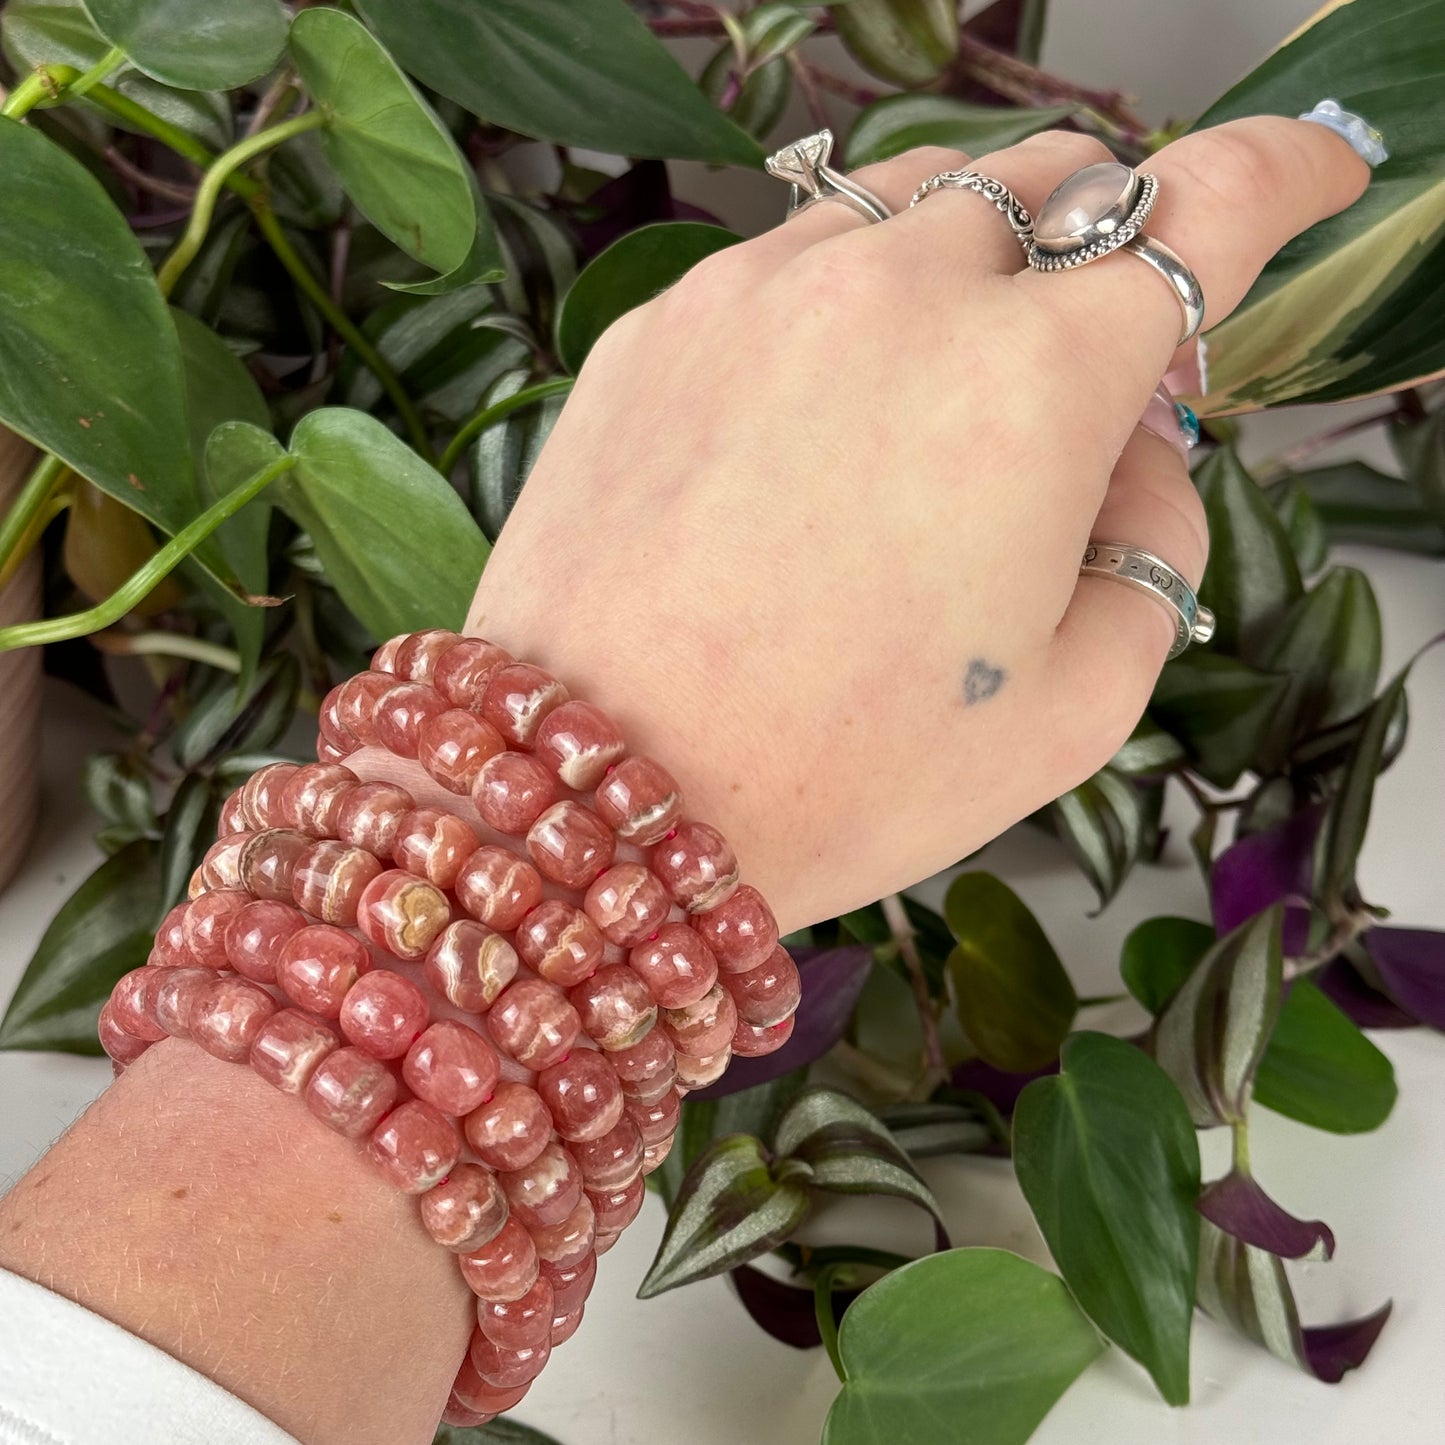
<point x="905" y="41"/>
<point x="1159" y="955"/>
<point x="1211" y="1036"/>
<point x="482" y="264"/>
<point x="732" y="1207"/>
<point x="397" y="161"/>
<point x="970" y="1339"/>
<point x="1411" y="964"/>
<point x="103" y="930"/>
<point x="1106" y="1156"/>
<point x="899" y="123"/>
<point x="194" y="44"/>
<point x="1014" y="1000"/>
<point x="1237" y="1205"/>
<point x="1108" y="823"/>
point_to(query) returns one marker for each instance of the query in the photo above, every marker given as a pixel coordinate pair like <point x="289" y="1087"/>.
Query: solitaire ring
<point x="1145" y="572"/>
<point x="804" y="166"/>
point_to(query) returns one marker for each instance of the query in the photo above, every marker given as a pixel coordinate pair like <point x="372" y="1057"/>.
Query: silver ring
<point x="804" y="166"/>
<point x="1142" y="570"/>
<point x="1103" y="208"/>
<point x="1008" y="204"/>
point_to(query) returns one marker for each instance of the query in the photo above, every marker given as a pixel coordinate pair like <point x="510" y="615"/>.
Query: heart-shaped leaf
<point x="899" y="123"/>
<point x="1108" y="823"/>
<point x="905" y="41"/>
<point x="482" y="264"/>
<point x="1237" y="1205"/>
<point x="194" y="44"/>
<point x="1356" y="503"/>
<point x="1411" y="963"/>
<point x="1159" y="955"/>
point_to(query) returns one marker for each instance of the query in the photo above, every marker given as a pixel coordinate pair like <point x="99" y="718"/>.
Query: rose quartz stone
<point x="579" y="742"/>
<point x="416" y="656"/>
<point x="545" y="1191"/>
<point x="169" y="949"/>
<point x="454" y="745"/>
<point x="521" y="1323"/>
<point x="533" y="1023"/>
<point x="703" y="1027"/>
<point x="383" y="1014"/>
<point x="205" y="925"/>
<point x="356" y="707"/>
<point x="255" y="936"/>
<point x="741" y="932"/>
<point x="227" y="1016"/>
<point x="122" y="1047"/>
<point x="464" y="669"/>
<point x="570" y="845"/>
<point x="289" y="1047"/>
<point x="486" y="1401"/>
<point x="312" y="796"/>
<point x="332" y="730"/>
<point x="498" y="888"/>
<point x="268" y="862"/>
<point x="221" y="867"/>
<point x="517" y="698"/>
<point x="175" y="992"/>
<point x="657" y="1120"/>
<point x="570" y="1241"/>
<point x="655" y="1155"/>
<point x="615" y="1208"/>
<point x="466" y="1210"/>
<point x="415" y="1146"/>
<point x="639" y="800"/>
<point x="384" y="658"/>
<point x="451" y="1066"/>
<point x="606" y="1238"/>
<point x="232" y="817"/>
<point x="676" y="965"/>
<point x="628" y="904"/>
<point x="370" y="816"/>
<point x="612" y="1160"/>
<point x="433" y="844"/>
<point x="469" y="965"/>
<point x="511" y="1129"/>
<point x="751" y="1040"/>
<point x="696" y="865"/>
<point x="512" y="790"/>
<point x="504" y="1268"/>
<point x="318" y="965"/>
<point x="614" y="1006"/>
<point x="769" y="993"/>
<point x="457" y="1414"/>
<point x="261" y="795"/>
<point x="351" y="1092"/>
<point x="570" y="1285"/>
<point x="694" y="1072"/>
<point x="506" y="1369"/>
<point x="582" y="1094"/>
<point x="559" y="942"/>
<point x="648" y="1068"/>
<point x="400" y="713"/>
<point x="133" y="1003"/>
<point x="329" y="879"/>
<point x="565" y="1326"/>
<point x="402" y="914"/>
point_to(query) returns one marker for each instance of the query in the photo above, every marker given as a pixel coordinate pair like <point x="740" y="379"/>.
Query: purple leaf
<point x="1341" y="983"/>
<point x="1000" y="1088"/>
<point x="832" y="980"/>
<point x="1265" y="868"/>
<point x="1333" y="1350"/>
<point x="1237" y="1205"/>
<point x="1412" y="967"/>
<point x="782" y="1310"/>
<point x="638" y="197"/>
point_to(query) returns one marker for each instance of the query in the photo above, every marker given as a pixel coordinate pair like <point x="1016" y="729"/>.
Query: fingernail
<point x="1170" y="421"/>
<point x="1191" y="376"/>
<point x="1363" y="138"/>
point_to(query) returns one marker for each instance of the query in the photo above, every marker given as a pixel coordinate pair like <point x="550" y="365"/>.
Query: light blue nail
<point x="1363" y="138"/>
<point x="1188" y="424"/>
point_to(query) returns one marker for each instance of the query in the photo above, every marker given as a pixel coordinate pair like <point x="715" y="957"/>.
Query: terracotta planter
<point x="20" y="679"/>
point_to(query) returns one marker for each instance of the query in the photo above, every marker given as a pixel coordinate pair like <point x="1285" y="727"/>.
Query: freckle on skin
<point x="335" y="1216"/>
<point x="180" y="1193"/>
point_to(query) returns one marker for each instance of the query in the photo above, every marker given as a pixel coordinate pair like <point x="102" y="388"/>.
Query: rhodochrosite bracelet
<point x="509" y="1011"/>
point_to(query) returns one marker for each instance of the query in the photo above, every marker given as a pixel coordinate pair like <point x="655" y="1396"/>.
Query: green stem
<point x="823" y="1310"/>
<point x="113" y="59"/>
<point x="1240" y="1130"/>
<point x="141" y="583"/>
<point x="50" y="84"/>
<point x="171" y="644"/>
<point x="490" y="415"/>
<point x="34" y="495"/>
<point x="208" y="192"/>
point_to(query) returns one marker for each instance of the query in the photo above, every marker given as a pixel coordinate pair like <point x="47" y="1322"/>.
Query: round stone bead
<point x="383" y="1014"/>
<point x="133" y="1003"/>
<point x="703" y="1027"/>
<point x="655" y="1155"/>
<point x="614" y="1209"/>
<point x="559" y="942"/>
<point x="606" y="1238"/>
<point x="318" y="965"/>
<point x="741" y="932"/>
<point x="175" y="992"/>
<point x="614" y="1006"/>
<point x="570" y="1285"/>
<point x="221" y="867"/>
<point x="454" y="745"/>
<point x="521" y="1323"/>
<point x="516" y="699"/>
<point x="639" y="800"/>
<point x="357" y="704"/>
<point x="433" y="844"/>
<point x="196" y="884"/>
<point x="452" y="1067"/>
<point x="694" y="1072"/>
<point x="570" y="845"/>
<point x="232" y="818"/>
<point x="123" y="1048"/>
<point x="545" y="1191"/>
<point x="415" y="1146"/>
<point x="329" y="725"/>
<point x="400" y="713"/>
<point x="466" y="1210"/>
<point x="416" y="656"/>
<point x="676" y="965"/>
<point x="512" y="791"/>
<point x="384" y="658"/>
<point x="457" y="1414"/>
<point x="325" y="753"/>
<point x="329" y="879"/>
<point x="313" y="794"/>
<point x="402" y="914"/>
<point x="370" y="817"/>
<point x="582" y="1095"/>
<point x="565" y="1326"/>
<point x="205" y="925"/>
<point x="504" y="1268"/>
<point x="351" y="1092"/>
<point x="169" y="950"/>
<point x="533" y="1023"/>
<point x="507" y="1369"/>
<point x="647" y="1069"/>
<point x="481" y="1401"/>
<point x="656" y="1121"/>
<point x="261" y="795"/>
<point x="256" y="934"/>
<point x="498" y="888"/>
<point x="769" y="993"/>
<point x="469" y="965"/>
<point x="511" y="1129"/>
<point x="464" y="669"/>
<point x="289" y="1047"/>
<point x="268" y="862"/>
<point x="579" y="742"/>
<point x="752" y="1040"/>
<point x="612" y="1160"/>
<point x="696" y="865"/>
<point x="227" y="1015"/>
<point x="628" y="904"/>
<point x="569" y="1242"/>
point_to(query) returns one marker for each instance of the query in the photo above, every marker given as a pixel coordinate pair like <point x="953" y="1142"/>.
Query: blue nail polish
<point x="1188" y="424"/>
<point x="1363" y="138"/>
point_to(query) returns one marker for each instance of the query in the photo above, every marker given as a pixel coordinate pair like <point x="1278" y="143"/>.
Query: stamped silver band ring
<point x="1142" y="570"/>
<point x="804" y="166"/>
<point x="1020" y="222"/>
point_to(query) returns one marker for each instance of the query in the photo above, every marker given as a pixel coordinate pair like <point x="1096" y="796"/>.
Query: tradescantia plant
<point x="321" y="309"/>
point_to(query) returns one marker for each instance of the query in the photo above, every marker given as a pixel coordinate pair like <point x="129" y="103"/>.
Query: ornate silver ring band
<point x="1145" y="572"/>
<point x="1008" y="205"/>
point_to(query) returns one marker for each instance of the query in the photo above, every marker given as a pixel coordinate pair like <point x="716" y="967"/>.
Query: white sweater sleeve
<point x="69" y="1377"/>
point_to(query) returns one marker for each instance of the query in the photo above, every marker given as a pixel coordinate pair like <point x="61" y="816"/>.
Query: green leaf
<point x="632" y="270"/>
<point x="502" y="1431"/>
<point x="1302" y="523"/>
<point x="731" y="1208"/>
<point x="103" y="930"/>
<point x="757" y="104"/>
<point x="1159" y="955"/>
<point x="119" y="791"/>
<point x="1248" y="1288"/>
<point x="769" y="31"/>
<point x="1106" y="1156"/>
<point x="1359" y="504"/>
<point x="482" y="264"/>
<point x="194" y="44"/>
<point x="541" y="260"/>
<point x="502" y="457"/>
<point x="587" y="75"/>
<point x="397" y="161"/>
<point x="230" y="718"/>
<point x="1320" y="1069"/>
<point x="190" y="830"/>
<point x="1149" y="751"/>
<point x="899" y="123"/>
<point x="906" y="41"/>
<point x="1212" y="1034"/>
<point x="397" y="542"/>
<point x="1013" y="998"/>
<point x="1349" y="308"/>
<point x="970" y="1345"/>
<point x="1108" y="824"/>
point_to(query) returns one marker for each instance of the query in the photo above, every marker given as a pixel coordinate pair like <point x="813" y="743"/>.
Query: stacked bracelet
<point x="509" y="1016"/>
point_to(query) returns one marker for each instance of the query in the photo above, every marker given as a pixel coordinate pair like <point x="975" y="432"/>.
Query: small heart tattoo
<point x="981" y="681"/>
